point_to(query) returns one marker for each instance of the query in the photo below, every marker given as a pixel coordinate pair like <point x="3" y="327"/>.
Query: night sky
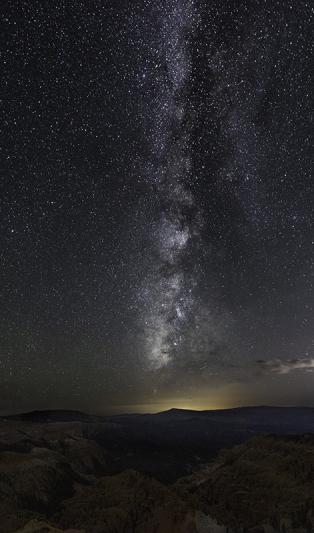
<point x="156" y="204"/>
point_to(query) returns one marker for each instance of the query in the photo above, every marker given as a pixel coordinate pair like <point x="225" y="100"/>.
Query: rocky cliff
<point x="55" y="477"/>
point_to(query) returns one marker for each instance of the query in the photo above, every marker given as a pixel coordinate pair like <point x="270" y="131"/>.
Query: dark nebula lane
<point x="157" y="204"/>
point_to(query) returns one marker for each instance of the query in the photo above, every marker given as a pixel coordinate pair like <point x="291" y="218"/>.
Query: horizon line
<point x="128" y="413"/>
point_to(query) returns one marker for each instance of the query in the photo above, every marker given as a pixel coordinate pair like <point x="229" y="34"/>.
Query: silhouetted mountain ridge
<point x="54" y="415"/>
<point x="64" y="415"/>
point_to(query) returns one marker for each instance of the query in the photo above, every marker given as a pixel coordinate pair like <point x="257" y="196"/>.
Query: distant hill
<point x="261" y="418"/>
<point x="56" y="415"/>
<point x="294" y="417"/>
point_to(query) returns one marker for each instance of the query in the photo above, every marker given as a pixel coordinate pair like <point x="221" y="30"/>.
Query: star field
<point x="157" y="204"/>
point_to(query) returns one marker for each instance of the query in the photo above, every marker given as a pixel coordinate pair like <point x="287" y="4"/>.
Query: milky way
<point x="168" y="292"/>
<point x="157" y="204"/>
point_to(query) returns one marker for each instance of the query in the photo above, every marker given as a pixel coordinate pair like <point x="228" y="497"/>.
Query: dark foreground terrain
<point x="239" y="470"/>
